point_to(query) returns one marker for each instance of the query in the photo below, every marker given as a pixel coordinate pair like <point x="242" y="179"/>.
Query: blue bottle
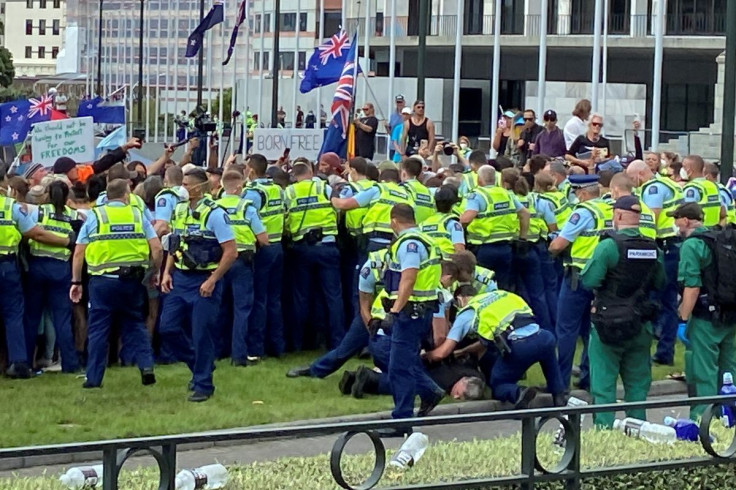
<point x="686" y="429"/>
<point x="728" y="409"/>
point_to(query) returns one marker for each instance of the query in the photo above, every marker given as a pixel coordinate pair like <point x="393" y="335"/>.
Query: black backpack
<point x="719" y="279"/>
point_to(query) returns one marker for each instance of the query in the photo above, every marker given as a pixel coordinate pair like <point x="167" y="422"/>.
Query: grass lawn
<point x="53" y="408"/>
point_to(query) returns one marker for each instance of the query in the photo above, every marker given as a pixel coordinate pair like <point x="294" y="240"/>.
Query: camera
<point x="203" y="122"/>
<point x="447" y="148"/>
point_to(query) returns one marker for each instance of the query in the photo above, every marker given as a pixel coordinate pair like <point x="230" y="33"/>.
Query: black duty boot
<point x="346" y="382"/>
<point x="366" y="381"/>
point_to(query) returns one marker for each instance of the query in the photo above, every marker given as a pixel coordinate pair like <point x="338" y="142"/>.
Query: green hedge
<point x="452" y="461"/>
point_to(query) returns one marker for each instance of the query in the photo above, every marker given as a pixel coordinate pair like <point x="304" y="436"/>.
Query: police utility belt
<point x="135" y="273"/>
<point x="412" y="308"/>
<point x="199" y="251"/>
<point x="503" y="340"/>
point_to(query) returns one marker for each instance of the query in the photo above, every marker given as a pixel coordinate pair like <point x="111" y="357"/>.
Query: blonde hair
<point x="544" y="182"/>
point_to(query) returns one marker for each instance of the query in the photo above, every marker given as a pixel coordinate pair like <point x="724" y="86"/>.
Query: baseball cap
<point x="400" y="98"/>
<point x="550" y="115"/>
<point x="63" y="165"/>
<point x="628" y="203"/>
<point x="510" y="114"/>
<point x="406" y="110"/>
<point x="689" y="210"/>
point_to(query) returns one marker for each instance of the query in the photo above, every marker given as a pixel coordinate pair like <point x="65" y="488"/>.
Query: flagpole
<point x="234" y="81"/>
<point x="391" y="67"/>
<point x="355" y="66"/>
<point x="260" y="62"/>
<point x="174" y="81"/>
<point x="157" y="102"/>
<point x="604" y="79"/>
<point x="295" y="72"/>
<point x="130" y="25"/>
<point x="496" y="67"/>
<point x="200" y="60"/>
<point x="456" y="80"/>
<point x="366" y="46"/>
<point x="276" y="63"/>
<point x="318" y="111"/>
<point x="209" y="71"/>
<point x="542" y="69"/>
<point x="221" y="121"/>
<point x="246" y="93"/>
<point x="140" y="67"/>
<point x="596" y="71"/>
<point x="147" y="25"/>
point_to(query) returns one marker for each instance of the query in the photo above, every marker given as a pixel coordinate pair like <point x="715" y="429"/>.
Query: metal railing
<point x="532" y="471"/>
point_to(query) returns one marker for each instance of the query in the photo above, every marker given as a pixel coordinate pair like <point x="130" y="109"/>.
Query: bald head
<point x="621" y="185"/>
<point x="711" y="171"/>
<point x="639" y="172"/>
<point x="486" y="175"/>
<point x="694" y="166"/>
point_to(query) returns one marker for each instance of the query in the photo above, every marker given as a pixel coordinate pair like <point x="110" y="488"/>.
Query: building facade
<point x="33" y="34"/>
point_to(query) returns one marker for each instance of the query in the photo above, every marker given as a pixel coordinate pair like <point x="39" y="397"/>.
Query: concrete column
<point x="563" y="17"/>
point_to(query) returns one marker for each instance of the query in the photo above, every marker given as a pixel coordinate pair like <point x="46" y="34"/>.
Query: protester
<point x="366" y="125"/>
<point x="418" y="131"/>
<point x="550" y="141"/>
<point x="526" y="143"/>
<point x="590" y="148"/>
<point x="576" y="125"/>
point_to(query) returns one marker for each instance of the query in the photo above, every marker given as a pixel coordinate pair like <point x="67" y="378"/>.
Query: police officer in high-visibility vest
<point x="702" y="191"/>
<point x="118" y="171"/>
<point x="622" y="186"/>
<point x="49" y="273"/>
<point x="711" y="173"/>
<point x="470" y="273"/>
<point x="370" y="284"/>
<point x="494" y="217"/>
<point x="412" y="279"/>
<point x="166" y="200"/>
<point x="379" y="200"/>
<point x="476" y="160"/>
<point x="201" y="251"/>
<point x="116" y="241"/>
<point x="312" y="225"/>
<point x="626" y="266"/>
<point x="506" y="324"/>
<point x="662" y="196"/>
<point x="444" y="226"/>
<point x="249" y="232"/>
<point x="411" y="170"/>
<point x="266" y="325"/>
<point x="558" y="171"/>
<point x="711" y="329"/>
<point x="581" y="234"/>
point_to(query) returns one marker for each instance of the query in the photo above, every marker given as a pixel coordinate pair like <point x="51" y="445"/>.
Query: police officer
<point x="312" y="224"/>
<point x="662" y="196"/>
<point x="266" y="317"/>
<point x="379" y="200"/>
<point x="493" y="218"/>
<point x="624" y="269"/>
<point x="248" y="230"/>
<point x="470" y="273"/>
<point x="116" y="242"/>
<point x="562" y="182"/>
<point x="711" y="348"/>
<point x="581" y="234"/>
<point x="118" y="171"/>
<point x="506" y="324"/>
<point x="711" y="174"/>
<point x="201" y="251"/>
<point x="443" y="226"/>
<point x="49" y="273"/>
<point x="622" y="186"/>
<point x="702" y="191"/>
<point x="411" y="169"/>
<point x="166" y="200"/>
<point x="476" y="160"/>
<point x="370" y="285"/>
<point x="412" y="279"/>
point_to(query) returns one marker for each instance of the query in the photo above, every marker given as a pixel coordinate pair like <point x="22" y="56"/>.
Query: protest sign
<point x="271" y="143"/>
<point x="73" y="138"/>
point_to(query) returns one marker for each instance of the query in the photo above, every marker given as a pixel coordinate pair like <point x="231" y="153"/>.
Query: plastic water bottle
<point x="410" y="452"/>
<point x="82" y="477"/>
<point x="686" y="429"/>
<point x="641" y="429"/>
<point x="204" y="478"/>
<point x="727" y="411"/>
<point x="560" y="434"/>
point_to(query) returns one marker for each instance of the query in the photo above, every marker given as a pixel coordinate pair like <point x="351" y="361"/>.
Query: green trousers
<point x="632" y="361"/>
<point x="711" y="353"/>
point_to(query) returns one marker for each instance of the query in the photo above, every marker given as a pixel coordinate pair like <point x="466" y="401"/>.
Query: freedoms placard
<point x="73" y="138"/>
<point x="271" y="143"/>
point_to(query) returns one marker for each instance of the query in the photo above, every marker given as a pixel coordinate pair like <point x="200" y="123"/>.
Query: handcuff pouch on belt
<point x="136" y="273"/>
<point x="313" y="237"/>
<point x="199" y="252"/>
<point x="246" y="256"/>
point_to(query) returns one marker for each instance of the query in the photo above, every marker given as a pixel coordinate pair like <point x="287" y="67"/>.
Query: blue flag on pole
<point x="336" y="133"/>
<point x="326" y="64"/>
<point x="111" y="141"/>
<point x="17" y="117"/>
<point x="196" y="38"/>
<point x="101" y="111"/>
<point x="242" y="14"/>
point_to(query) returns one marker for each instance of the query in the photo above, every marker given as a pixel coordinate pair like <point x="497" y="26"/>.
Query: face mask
<point x="463" y="146"/>
<point x="350" y="177"/>
<point x="683" y="174"/>
<point x="182" y="193"/>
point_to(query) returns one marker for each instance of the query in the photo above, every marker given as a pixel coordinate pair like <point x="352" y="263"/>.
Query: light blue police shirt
<point x="90" y="225"/>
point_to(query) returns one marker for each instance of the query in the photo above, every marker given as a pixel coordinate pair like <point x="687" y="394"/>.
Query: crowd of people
<point x="451" y="278"/>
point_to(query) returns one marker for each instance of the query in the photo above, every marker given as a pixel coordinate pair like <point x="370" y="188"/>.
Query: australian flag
<point x="196" y="38"/>
<point x="326" y="64"/>
<point x="242" y="14"/>
<point x="336" y="134"/>
<point x="101" y="111"/>
<point x="17" y="117"/>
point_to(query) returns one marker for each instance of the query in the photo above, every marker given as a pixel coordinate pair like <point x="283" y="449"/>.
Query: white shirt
<point x="573" y="128"/>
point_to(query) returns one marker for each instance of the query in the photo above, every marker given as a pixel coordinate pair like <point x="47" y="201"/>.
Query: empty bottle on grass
<point x="641" y="429"/>
<point x="686" y="429"/>
<point x="728" y="409"/>
<point x="82" y="477"/>
<point x="410" y="452"/>
<point x="207" y="477"/>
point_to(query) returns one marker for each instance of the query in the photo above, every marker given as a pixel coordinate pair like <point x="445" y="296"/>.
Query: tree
<point x="227" y="113"/>
<point x="7" y="72"/>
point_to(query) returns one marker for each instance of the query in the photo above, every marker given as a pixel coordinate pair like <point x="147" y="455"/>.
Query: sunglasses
<point x="550" y="119"/>
<point x="419" y="107"/>
<point x="528" y="118"/>
<point x="366" y="108"/>
<point x="597" y="125"/>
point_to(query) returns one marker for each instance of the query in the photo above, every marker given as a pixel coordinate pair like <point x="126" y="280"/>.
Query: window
<point x="267" y="21"/>
<point x="302" y="60"/>
<point x="57" y="4"/>
<point x="42" y="4"/>
<point x="332" y="22"/>
<point x="29" y="52"/>
<point x="29" y="4"/>
<point x="256" y="27"/>
<point x="41" y="52"/>
<point x="288" y="23"/>
<point x="54" y="52"/>
<point x="29" y="27"/>
<point x="41" y="27"/>
<point x="266" y="59"/>
<point x="55" y="26"/>
<point x="286" y="60"/>
<point x="302" y="22"/>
